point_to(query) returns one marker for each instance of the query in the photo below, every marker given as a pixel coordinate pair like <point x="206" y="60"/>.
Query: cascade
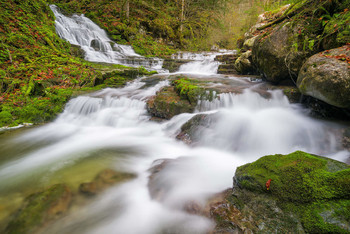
<point x="115" y="122"/>
<point x="98" y="47"/>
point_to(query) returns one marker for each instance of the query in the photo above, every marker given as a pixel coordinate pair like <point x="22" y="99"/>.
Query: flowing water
<point x="98" y="47"/>
<point x="112" y="129"/>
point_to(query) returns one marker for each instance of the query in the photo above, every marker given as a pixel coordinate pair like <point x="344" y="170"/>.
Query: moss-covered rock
<point x="167" y="103"/>
<point x="103" y="180"/>
<point x="303" y="188"/>
<point x="243" y="64"/>
<point x="40" y="208"/>
<point x="326" y="76"/>
<point x="276" y="54"/>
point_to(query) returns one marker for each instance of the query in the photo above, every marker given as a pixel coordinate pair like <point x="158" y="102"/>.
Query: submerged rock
<point x="167" y="103"/>
<point x="40" y="208"/>
<point x="192" y="130"/>
<point x="307" y="193"/>
<point x="326" y="76"/>
<point x="103" y="180"/>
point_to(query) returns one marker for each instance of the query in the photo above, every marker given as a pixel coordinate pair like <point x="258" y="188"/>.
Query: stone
<point x="326" y="76"/>
<point x="167" y="103"/>
<point x="193" y="129"/>
<point x="40" y="208"/>
<point x="274" y="56"/>
<point x="307" y="194"/>
<point x="103" y="180"/>
<point x="243" y="64"/>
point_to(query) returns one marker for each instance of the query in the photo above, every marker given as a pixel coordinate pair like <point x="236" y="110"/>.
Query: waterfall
<point x="203" y="63"/>
<point x="98" y="47"/>
<point x="247" y="126"/>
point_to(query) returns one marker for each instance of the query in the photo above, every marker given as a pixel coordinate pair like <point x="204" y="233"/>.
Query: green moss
<point x="188" y="89"/>
<point x="298" y="177"/>
<point x="5" y="118"/>
<point x="39" y="208"/>
<point x="317" y="189"/>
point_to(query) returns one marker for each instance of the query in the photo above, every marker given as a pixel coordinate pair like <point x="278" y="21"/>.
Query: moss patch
<point x="316" y="189"/>
<point x="40" y="208"/>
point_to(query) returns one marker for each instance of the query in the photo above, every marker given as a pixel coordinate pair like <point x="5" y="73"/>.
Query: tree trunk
<point x="182" y="17"/>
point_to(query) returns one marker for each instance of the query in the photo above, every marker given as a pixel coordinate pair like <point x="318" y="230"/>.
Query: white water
<point x="203" y="63"/>
<point x="247" y="127"/>
<point x="98" y="47"/>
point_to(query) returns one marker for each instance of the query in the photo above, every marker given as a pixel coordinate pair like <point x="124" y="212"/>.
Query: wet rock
<point x="292" y="93"/>
<point x="227" y="66"/>
<point x="103" y="180"/>
<point x="243" y="64"/>
<point x="326" y="76"/>
<point x="307" y="193"/>
<point x="167" y="103"/>
<point x="274" y="55"/>
<point x="77" y="51"/>
<point x="192" y="130"/>
<point x="96" y="44"/>
<point x="226" y="58"/>
<point x="173" y="65"/>
<point x="156" y="191"/>
<point x="346" y="139"/>
<point x="40" y="208"/>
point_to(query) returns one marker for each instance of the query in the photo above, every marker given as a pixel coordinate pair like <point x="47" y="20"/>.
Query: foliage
<point x="39" y="71"/>
<point x="153" y="28"/>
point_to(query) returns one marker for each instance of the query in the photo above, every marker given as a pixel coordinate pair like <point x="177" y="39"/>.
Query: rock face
<point x="227" y="66"/>
<point x="274" y="55"/>
<point x="172" y="65"/>
<point x="40" y="208"/>
<point x="243" y="64"/>
<point x="307" y="193"/>
<point x="167" y="103"/>
<point x="326" y="76"/>
<point x="103" y="180"/>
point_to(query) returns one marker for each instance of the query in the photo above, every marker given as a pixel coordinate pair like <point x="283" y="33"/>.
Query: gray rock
<point x="243" y="64"/>
<point x="275" y="56"/>
<point x="326" y="76"/>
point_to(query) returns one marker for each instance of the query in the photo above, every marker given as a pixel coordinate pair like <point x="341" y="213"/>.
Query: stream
<point x="112" y="129"/>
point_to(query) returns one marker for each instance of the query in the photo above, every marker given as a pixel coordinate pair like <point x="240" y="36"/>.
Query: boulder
<point x="103" y="180"/>
<point x="193" y="129"/>
<point x="294" y="193"/>
<point x="167" y="103"/>
<point x="243" y="64"/>
<point x="40" y="208"/>
<point x="275" y="55"/>
<point x="326" y="76"/>
<point x="248" y="44"/>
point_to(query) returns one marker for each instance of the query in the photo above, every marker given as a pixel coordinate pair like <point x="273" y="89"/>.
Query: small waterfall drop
<point x="98" y="47"/>
<point x="203" y="63"/>
<point x="246" y="127"/>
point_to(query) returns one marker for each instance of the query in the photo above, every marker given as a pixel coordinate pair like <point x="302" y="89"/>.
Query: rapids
<point x="112" y="129"/>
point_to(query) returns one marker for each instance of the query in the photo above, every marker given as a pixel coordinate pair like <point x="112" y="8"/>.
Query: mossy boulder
<point x="314" y="189"/>
<point x="326" y="76"/>
<point x="167" y="103"/>
<point x="276" y="54"/>
<point x="103" y="180"/>
<point x="40" y="208"/>
<point x="243" y="64"/>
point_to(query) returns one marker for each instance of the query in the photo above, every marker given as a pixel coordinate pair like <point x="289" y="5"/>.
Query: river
<point x="112" y="129"/>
